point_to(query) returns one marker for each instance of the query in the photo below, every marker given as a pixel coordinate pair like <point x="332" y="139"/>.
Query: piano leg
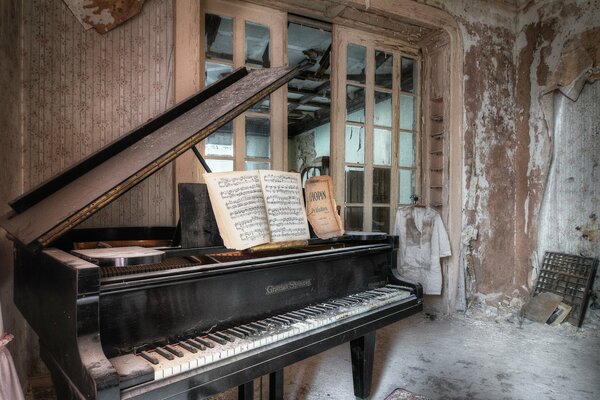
<point x="362" y="352"/>
<point x="246" y="391"/>
<point x="276" y="385"/>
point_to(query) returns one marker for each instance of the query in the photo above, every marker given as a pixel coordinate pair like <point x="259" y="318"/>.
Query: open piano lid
<point x="64" y="201"/>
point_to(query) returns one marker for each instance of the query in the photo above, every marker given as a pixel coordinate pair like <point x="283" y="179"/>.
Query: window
<point x="356" y="91"/>
<point x="380" y="141"/>
<point x="237" y="35"/>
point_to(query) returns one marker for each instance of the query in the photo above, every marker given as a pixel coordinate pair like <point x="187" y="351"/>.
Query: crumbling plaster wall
<point x="544" y="32"/>
<point x="509" y="54"/>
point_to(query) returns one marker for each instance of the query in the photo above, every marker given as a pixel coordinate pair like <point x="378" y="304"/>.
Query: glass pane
<point x="215" y="71"/>
<point x="383" y="109"/>
<point x="355" y="103"/>
<point x="381" y="185"/>
<point x="356" y="63"/>
<point x="384" y="63"/>
<point x="355" y="178"/>
<point x="407" y="149"/>
<point x="258" y="137"/>
<point x="355" y="144"/>
<point x="381" y="219"/>
<point x="253" y="165"/>
<point x="262" y="106"/>
<point x="407" y="112"/>
<point x="408" y="75"/>
<point x="354" y="219"/>
<point x="257" y="45"/>
<point x="407" y="186"/>
<point x="382" y="147"/>
<point x="220" y="165"/>
<point x="220" y="142"/>
<point x="218" y="37"/>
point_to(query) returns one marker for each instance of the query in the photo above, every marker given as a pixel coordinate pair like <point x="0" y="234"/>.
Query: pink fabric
<point x="10" y="388"/>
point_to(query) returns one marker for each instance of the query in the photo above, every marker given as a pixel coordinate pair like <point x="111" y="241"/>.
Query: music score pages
<point x="257" y="207"/>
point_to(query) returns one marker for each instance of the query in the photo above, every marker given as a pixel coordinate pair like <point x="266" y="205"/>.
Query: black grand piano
<point x="187" y="322"/>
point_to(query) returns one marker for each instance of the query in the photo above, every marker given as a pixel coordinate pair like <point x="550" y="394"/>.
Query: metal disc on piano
<point x="359" y="235"/>
<point x="121" y="256"/>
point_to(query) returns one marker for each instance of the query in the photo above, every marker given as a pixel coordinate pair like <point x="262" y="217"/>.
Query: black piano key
<point x="322" y="308"/>
<point x="196" y="344"/>
<point x="258" y="327"/>
<point x="205" y="342"/>
<point x="247" y="330"/>
<point x="293" y="317"/>
<point x="330" y="307"/>
<point x="166" y="354"/>
<point x="296" y="314"/>
<point x="281" y="320"/>
<point x="315" y="310"/>
<point x="188" y="347"/>
<point x="216" y="338"/>
<point x="236" y="332"/>
<point x="274" y="322"/>
<point x="149" y="357"/>
<point x="261" y="323"/>
<point x="175" y="351"/>
<point x="308" y="312"/>
<point x="226" y="336"/>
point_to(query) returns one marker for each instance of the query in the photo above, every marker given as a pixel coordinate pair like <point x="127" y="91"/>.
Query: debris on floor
<point x="541" y="307"/>
<point x="401" y="394"/>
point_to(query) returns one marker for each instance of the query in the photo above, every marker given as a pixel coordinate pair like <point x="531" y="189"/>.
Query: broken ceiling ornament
<point x="104" y="15"/>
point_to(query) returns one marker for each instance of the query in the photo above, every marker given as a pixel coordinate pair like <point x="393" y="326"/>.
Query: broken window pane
<point x="309" y="94"/>
<point x="355" y="144"/>
<point x="218" y="37"/>
<point x="408" y="75"/>
<point x="382" y="147"/>
<point x="381" y="219"/>
<point x="356" y="63"/>
<point x="384" y="63"/>
<point x="355" y="178"/>
<point x="381" y="185"/>
<point x="257" y="45"/>
<point x="258" y="137"/>
<point x="215" y="71"/>
<point x="355" y="104"/>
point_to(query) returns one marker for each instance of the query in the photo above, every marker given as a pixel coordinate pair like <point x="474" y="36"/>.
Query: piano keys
<point x="180" y="323"/>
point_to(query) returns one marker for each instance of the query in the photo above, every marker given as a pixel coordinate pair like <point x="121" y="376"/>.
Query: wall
<point x="509" y="56"/>
<point x="10" y="180"/>
<point x="82" y="90"/>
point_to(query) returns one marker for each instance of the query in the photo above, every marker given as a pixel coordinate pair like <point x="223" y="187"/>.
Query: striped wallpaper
<point x="82" y="90"/>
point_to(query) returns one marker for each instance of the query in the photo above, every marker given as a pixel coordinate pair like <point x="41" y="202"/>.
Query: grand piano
<point x="185" y="322"/>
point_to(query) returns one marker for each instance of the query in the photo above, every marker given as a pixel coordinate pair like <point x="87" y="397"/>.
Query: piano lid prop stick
<point x="277" y="246"/>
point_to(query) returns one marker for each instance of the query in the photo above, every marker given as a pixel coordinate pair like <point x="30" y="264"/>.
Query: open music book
<point x="257" y="207"/>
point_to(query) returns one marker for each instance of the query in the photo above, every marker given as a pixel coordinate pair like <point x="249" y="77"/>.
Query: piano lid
<point x="64" y="201"/>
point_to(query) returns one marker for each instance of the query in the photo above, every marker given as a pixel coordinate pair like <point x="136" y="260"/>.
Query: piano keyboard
<point x="196" y="352"/>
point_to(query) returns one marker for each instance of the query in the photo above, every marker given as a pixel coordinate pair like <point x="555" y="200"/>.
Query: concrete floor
<point x="460" y="357"/>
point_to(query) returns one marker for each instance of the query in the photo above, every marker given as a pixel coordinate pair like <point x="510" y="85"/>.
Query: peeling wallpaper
<point x="82" y="90"/>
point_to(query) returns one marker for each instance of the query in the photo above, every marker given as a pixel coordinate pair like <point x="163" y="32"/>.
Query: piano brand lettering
<point x="291" y="285"/>
<point x="317" y="196"/>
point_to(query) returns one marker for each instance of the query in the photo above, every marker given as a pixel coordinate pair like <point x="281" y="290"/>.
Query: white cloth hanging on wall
<point x="423" y="241"/>
<point x="10" y="388"/>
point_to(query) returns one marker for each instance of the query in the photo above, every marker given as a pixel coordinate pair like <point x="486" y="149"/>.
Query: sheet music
<point x="241" y="214"/>
<point x="285" y="209"/>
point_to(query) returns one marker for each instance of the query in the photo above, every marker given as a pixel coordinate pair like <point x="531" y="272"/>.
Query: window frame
<point x="341" y="37"/>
